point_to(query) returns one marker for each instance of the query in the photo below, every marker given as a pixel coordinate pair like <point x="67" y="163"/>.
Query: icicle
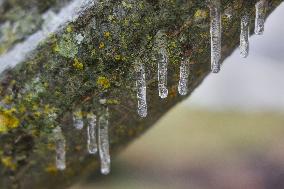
<point x="184" y="74"/>
<point x="141" y="90"/>
<point x="104" y="142"/>
<point x="216" y="32"/>
<point x="60" y="149"/>
<point x="260" y="17"/>
<point x="244" y="37"/>
<point x="78" y="119"/>
<point x="162" y="73"/>
<point x="91" y="133"/>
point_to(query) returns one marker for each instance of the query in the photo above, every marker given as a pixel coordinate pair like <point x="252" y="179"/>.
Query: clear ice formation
<point x="244" y="37"/>
<point x="141" y="90"/>
<point x="260" y="17"/>
<point x="78" y="121"/>
<point x="163" y="72"/>
<point x="60" y="146"/>
<point x="104" y="142"/>
<point x="91" y="133"/>
<point x="184" y="77"/>
<point x="216" y="34"/>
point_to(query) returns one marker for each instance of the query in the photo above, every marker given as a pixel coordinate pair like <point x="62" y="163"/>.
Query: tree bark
<point x="88" y="62"/>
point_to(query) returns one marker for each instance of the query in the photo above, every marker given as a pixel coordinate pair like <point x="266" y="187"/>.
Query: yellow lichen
<point x="126" y="5"/>
<point x="78" y="147"/>
<point x="113" y="102"/>
<point x="37" y="114"/>
<point x="8" y="121"/>
<point x="51" y="146"/>
<point x="78" y="65"/>
<point x="93" y="53"/>
<point x="56" y="48"/>
<point x="172" y="92"/>
<point x="8" y="99"/>
<point x="79" y="114"/>
<point x="118" y="57"/>
<point x="110" y="18"/>
<point x="69" y="29"/>
<point x="35" y="107"/>
<point x="22" y="108"/>
<point x="49" y="110"/>
<point x="106" y="34"/>
<point x="51" y="169"/>
<point x="7" y="161"/>
<point x="103" y="82"/>
<point x="102" y="45"/>
<point x="200" y="14"/>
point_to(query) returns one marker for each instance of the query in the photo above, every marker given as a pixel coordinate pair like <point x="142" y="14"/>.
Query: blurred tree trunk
<point x="48" y="71"/>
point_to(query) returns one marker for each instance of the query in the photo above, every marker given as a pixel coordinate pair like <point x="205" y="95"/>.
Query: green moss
<point x="7" y="161"/>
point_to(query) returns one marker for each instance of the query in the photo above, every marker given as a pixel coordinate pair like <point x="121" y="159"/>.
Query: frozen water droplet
<point x="184" y="74"/>
<point x="60" y="145"/>
<point x="162" y="73"/>
<point x="78" y="121"/>
<point x="260" y="16"/>
<point x="141" y="90"/>
<point x="216" y="34"/>
<point x="244" y="37"/>
<point x="91" y="133"/>
<point x="104" y="142"/>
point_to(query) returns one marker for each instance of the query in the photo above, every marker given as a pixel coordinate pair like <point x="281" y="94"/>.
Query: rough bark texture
<point x="89" y="63"/>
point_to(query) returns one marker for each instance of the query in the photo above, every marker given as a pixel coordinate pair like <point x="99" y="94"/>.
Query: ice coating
<point x="91" y="133"/>
<point x="184" y="77"/>
<point x="141" y="90"/>
<point x="216" y="35"/>
<point x="260" y="9"/>
<point x="104" y="142"/>
<point x="244" y="37"/>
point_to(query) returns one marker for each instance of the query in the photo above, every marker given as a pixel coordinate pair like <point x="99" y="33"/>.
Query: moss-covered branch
<point x="89" y="63"/>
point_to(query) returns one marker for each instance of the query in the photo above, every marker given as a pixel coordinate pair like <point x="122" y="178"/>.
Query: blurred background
<point x="228" y="135"/>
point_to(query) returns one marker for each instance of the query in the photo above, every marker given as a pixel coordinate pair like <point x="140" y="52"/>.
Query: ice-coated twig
<point x="78" y="121"/>
<point x="141" y="89"/>
<point x="184" y="77"/>
<point x="260" y="8"/>
<point x="60" y="145"/>
<point x="91" y="133"/>
<point x="244" y="37"/>
<point x="216" y="34"/>
<point x="104" y="141"/>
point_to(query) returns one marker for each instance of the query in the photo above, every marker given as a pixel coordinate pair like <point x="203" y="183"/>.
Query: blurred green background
<point x="202" y="150"/>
